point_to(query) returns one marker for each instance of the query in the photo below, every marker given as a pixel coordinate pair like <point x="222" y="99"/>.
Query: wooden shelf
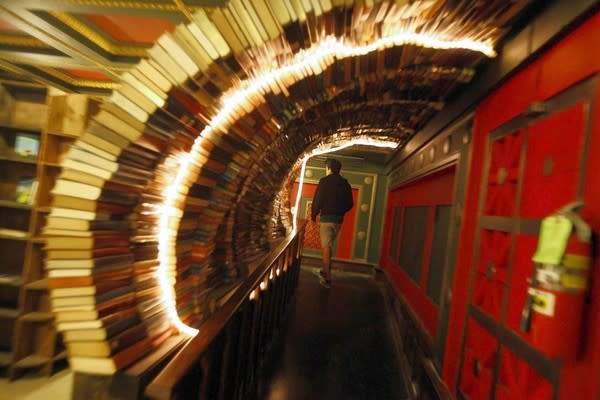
<point x="41" y="284"/>
<point x="52" y="164"/>
<point x="9" y="313"/>
<point x="18" y="159"/>
<point x="23" y="84"/>
<point x="11" y="280"/>
<point x="34" y="331"/>
<point x="61" y="356"/>
<point x="14" y="204"/>
<point x="21" y="128"/>
<point x="5" y="358"/>
<point x="38" y="240"/>
<point x="65" y="135"/>
<point x="37" y="316"/>
<point x="31" y="361"/>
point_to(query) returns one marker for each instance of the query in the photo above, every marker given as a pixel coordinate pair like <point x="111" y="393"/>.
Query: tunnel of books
<point x="205" y="135"/>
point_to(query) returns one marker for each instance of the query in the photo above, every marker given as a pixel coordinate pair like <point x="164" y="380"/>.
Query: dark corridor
<point x="338" y="344"/>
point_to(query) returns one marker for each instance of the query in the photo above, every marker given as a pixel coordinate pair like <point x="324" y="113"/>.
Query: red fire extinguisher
<point x="555" y="306"/>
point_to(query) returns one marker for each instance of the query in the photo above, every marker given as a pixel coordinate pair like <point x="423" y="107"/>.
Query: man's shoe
<point x="324" y="282"/>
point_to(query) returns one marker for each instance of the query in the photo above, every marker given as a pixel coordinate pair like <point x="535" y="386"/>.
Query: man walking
<point x="332" y="200"/>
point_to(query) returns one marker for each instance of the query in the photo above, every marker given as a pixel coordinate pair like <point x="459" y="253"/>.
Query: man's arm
<point x="316" y="204"/>
<point x="348" y="197"/>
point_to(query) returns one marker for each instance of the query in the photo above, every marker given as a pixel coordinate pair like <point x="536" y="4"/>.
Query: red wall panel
<point x="435" y="189"/>
<point x="478" y="364"/>
<point x="503" y="175"/>
<point x="518" y="381"/>
<point x="511" y="100"/>
<point x="491" y="275"/>
<point x="573" y="59"/>
<point x="552" y="162"/>
<point x="569" y="61"/>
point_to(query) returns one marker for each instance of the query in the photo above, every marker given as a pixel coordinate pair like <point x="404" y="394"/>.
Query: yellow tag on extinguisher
<point x="543" y="302"/>
<point x="552" y="243"/>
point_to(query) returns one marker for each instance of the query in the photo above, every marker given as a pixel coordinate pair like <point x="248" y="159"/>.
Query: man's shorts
<point x="328" y="232"/>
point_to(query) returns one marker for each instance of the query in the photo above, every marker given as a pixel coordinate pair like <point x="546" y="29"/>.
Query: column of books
<point x="100" y="263"/>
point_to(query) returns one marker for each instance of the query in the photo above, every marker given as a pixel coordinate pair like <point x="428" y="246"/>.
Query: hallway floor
<point x="338" y="345"/>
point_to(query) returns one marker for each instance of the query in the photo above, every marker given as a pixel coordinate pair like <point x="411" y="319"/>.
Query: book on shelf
<point x="7" y="279"/>
<point x="103" y="138"/>
<point x="72" y="212"/>
<point x="94" y="312"/>
<point x="70" y="281"/>
<point x="77" y="224"/>
<point x="65" y="322"/>
<point x="109" y="327"/>
<point x="88" y="272"/>
<point x="108" y="347"/>
<point x="103" y="208"/>
<point x="97" y="241"/>
<point x="96" y="263"/>
<point x="98" y="288"/>
<point x="119" y="121"/>
<point x="121" y="195"/>
<point x="26" y="190"/>
<point x="68" y="232"/>
<point x="72" y="254"/>
<point x="139" y="97"/>
<point x="127" y="356"/>
<point x="27" y="145"/>
<point x="115" y="295"/>
<point x="80" y="171"/>
<point x="13" y="233"/>
<point x="114" y="303"/>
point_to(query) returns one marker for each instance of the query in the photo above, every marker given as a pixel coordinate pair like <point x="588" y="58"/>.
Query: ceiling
<point x="84" y="46"/>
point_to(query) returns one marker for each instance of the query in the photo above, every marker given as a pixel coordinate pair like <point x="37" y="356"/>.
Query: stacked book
<point x="102" y="283"/>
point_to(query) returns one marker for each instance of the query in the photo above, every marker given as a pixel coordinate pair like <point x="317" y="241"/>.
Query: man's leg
<point x="325" y="231"/>
<point x="327" y="263"/>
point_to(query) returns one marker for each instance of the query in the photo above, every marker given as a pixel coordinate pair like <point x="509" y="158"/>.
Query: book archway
<point x="201" y="137"/>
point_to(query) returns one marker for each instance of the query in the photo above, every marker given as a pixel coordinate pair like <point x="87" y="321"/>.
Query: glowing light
<point x="166" y="242"/>
<point x="324" y="54"/>
<point x="253" y="294"/>
<point x="239" y="101"/>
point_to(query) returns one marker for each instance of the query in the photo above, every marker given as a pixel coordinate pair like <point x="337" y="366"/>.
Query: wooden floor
<point x="338" y="345"/>
<point x="55" y="387"/>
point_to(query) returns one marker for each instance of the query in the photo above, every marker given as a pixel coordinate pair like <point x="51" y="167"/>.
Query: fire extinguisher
<point x="555" y="305"/>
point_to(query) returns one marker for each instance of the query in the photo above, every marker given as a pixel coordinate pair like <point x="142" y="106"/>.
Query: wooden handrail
<point x="164" y="384"/>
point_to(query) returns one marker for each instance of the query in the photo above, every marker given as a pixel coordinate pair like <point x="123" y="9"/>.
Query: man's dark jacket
<point x="333" y="197"/>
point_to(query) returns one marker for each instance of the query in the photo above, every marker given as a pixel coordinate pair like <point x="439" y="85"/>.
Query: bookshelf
<point x="36" y="127"/>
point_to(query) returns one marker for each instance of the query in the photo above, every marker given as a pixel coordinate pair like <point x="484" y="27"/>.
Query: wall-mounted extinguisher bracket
<point x="554" y="309"/>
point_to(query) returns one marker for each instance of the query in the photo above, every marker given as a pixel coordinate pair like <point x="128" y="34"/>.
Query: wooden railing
<point x="225" y="359"/>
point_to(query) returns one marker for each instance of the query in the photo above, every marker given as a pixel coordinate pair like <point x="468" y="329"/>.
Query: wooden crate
<point x="69" y="114"/>
<point x="29" y="115"/>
